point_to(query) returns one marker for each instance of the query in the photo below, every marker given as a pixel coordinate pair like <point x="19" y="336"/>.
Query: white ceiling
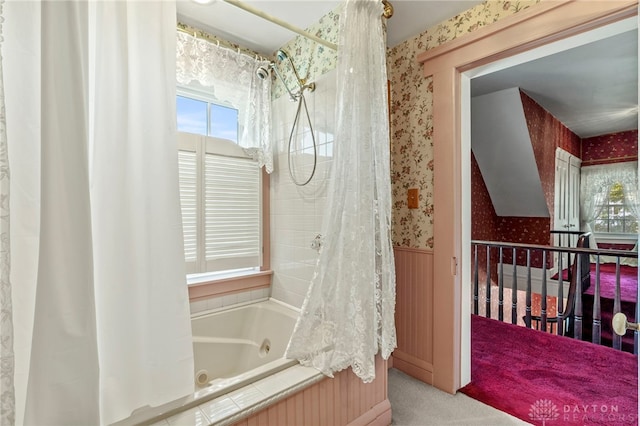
<point x="593" y="90"/>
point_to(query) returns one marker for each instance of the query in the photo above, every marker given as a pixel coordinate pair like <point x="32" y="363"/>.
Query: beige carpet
<point x="414" y="403"/>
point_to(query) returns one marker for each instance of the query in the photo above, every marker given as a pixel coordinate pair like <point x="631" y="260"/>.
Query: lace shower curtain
<point x="101" y="304"/>
<point x="230" y="77"/>
<point x="348" y="312"/>
<point x="7" y="394"/>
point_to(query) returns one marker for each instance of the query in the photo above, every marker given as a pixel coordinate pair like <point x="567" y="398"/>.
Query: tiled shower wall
<point x="297" y="212"/>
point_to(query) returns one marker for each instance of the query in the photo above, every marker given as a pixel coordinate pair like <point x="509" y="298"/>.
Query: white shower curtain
<point x="104" y="318"/>
<point x="7" y="391"/>
<point x="348" y="314"/>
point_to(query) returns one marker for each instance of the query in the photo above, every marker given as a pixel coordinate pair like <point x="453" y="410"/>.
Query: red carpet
<point x="547" y="379"/>
<point x="628" y="296"/>
<point x="628" y="282"/>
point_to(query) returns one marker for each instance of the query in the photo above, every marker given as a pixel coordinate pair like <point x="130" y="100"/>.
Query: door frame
<point x="449" y="67"/>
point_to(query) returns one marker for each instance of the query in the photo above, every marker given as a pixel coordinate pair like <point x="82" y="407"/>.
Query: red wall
<point x="484" y="221"/>
<point x="611" y="148"/>
<point x="486" y="225"/>
<point x="546" y="133"/>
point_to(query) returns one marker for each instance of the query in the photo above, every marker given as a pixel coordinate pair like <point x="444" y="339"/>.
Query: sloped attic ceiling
<point x="502" y="147"/>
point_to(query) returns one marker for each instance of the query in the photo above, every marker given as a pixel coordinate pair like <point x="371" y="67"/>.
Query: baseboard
<point x="422" y="373"/>
<point x="378" y="415"/>
<point x="536" y="280"/>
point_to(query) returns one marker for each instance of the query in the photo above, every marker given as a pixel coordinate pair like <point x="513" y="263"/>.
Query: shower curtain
<point x="348" y="313"/>
<point x="102" y="315"/>
<point x="7" y="392"/>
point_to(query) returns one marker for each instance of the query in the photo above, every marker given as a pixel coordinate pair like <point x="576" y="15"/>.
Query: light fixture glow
<point x="204" y="2"/>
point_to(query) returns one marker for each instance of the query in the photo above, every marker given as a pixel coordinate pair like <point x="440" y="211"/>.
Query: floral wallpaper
<point x="311" y="59"/>
<point x="611" y="148"/>
<point x="411" y="118"/>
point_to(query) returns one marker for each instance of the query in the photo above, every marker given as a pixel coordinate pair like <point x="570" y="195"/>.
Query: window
<point x="206" y="118"/>
<point x="220" y="190"/>
<point x="614" y="216"/>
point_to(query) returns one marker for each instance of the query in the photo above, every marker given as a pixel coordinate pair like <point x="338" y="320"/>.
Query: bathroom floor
<point x="414" y="403"/>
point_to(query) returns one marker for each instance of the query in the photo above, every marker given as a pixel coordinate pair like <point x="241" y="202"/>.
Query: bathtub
<point x="239" y="366"/>
<point x="234" y="347"/>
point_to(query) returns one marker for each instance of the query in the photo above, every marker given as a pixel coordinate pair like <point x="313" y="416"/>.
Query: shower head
<point x="282" y="56"/>
<point x="263" y="73"/>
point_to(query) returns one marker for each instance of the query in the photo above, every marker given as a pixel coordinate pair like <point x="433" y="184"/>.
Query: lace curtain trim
<point x="230" y="77"/>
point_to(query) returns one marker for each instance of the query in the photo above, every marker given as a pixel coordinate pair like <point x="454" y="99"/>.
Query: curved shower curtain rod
<point x="387" y="13"/>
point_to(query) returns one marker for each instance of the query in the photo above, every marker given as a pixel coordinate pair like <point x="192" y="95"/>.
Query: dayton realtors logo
<point x="543" y="410"/>
<point x="599" y="413"/>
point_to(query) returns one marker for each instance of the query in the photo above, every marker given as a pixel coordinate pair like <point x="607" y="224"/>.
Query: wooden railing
<point x="570" y="315"/>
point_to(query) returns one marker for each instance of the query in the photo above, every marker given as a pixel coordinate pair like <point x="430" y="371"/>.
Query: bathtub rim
<point x="211" y="312"/>
<point x="149" y="415"/>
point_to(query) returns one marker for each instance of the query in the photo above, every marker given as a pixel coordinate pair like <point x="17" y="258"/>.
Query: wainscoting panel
<point x="343" y="400"/>
<point x="414" y="312"/>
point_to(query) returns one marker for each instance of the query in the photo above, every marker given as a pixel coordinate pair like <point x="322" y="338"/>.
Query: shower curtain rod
<point x="388" y="13"/>
<point x="281" y="23"/>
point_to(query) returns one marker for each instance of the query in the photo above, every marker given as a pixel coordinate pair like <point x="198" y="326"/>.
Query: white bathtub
<point x="233" y="350"/>
<point x="240" y="345"/>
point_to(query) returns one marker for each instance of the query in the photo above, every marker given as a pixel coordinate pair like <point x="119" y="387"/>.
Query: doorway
<point x="550" y="25"/>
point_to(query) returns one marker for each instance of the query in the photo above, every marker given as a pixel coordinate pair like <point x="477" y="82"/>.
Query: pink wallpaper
<point x="611" y="148"/>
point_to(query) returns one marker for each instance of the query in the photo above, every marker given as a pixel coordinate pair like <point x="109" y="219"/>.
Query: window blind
<point x="220" y="197"/>
<point x="187" y="169"/>
<point x="232" y="212"/>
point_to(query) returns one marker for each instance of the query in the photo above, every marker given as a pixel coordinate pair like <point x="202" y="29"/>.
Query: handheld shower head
<point x="282" y="56"/>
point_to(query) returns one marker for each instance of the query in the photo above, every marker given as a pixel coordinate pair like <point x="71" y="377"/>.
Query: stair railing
<point x="569" y="318"/>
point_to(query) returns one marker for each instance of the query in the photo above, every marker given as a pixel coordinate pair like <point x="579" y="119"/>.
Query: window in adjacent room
<point x="615" y="216"/>
<point x="220" y="190"/>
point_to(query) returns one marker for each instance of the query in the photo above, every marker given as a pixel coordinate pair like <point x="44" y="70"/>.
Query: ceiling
<point x="236" y="25"/>
<point x="592" y="89"/>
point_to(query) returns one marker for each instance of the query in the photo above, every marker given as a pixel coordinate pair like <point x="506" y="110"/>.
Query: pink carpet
<point x="547" y="379"/>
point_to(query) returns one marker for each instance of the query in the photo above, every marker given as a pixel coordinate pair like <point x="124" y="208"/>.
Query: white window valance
<point x="230" y="78"/>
